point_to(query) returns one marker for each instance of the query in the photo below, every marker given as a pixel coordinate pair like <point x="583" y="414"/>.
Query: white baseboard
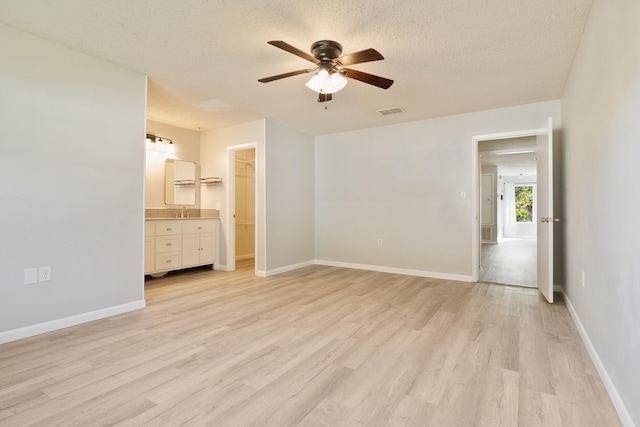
<point x="54" y="325"/>
<point x="285" y="269"/>
<point x="404" y="271"/>
<point x="624" y="415"/>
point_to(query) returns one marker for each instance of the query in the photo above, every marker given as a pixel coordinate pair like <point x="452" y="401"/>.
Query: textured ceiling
<point x="203" y="57"/>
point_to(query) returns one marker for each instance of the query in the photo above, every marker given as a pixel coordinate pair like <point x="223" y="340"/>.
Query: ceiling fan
<point x="329" y="71"/>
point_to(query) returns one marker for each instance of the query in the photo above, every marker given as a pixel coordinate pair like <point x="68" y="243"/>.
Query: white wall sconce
<point x="160" y="144"/>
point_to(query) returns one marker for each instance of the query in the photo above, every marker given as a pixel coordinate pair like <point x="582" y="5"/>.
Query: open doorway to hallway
<point x="508" y="208"/>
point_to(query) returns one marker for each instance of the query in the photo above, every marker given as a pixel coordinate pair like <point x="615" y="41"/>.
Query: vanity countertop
<point x="170" y="219"/>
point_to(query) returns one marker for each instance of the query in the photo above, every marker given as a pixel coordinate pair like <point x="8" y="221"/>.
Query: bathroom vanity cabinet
<point x="173" y="244"/>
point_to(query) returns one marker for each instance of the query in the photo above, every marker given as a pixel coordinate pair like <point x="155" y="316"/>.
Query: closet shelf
<point x="184" y="182"/>
<point x="210" y="180"/>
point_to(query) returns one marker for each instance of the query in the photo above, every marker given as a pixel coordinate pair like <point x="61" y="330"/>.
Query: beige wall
<point x="187" y="147"/>
<point x="213" y="158"/>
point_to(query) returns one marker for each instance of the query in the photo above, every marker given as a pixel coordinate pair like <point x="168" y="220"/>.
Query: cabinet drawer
<point x="168" y="244"/>
<point x="168" y="261"/>
<point x="199" y="226"/>
<point x="168" y="228"/>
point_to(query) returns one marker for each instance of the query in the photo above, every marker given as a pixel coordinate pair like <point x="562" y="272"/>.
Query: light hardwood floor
<point x="320" y="346"/>
<point x="510" y="262"/>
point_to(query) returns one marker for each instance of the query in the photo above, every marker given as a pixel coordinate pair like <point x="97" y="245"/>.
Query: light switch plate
<point x="30" y="276"/>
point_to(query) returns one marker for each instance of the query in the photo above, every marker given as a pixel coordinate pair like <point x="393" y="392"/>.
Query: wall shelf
<point x="184" y="182"/>
<point x="210" y="180"/>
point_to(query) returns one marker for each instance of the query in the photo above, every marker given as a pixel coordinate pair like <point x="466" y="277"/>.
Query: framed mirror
<point x="179" y="182"/>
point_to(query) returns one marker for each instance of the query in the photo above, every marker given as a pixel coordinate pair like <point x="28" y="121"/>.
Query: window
<point x="524" y="203"/>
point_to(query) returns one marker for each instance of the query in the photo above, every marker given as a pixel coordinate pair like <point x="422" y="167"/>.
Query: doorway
<point x="508" y="208"/>
<point x="544" y="229"/>
<point x="241" y="200"/>
<point x="245" y="207"/>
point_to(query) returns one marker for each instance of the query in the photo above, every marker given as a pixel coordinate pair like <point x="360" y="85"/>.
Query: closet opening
<point x="244" y="196"/>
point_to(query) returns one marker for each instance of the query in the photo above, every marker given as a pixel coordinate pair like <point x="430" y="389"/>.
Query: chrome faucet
<point x="184" y="208"/>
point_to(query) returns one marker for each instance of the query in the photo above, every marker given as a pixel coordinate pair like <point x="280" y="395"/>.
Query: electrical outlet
<point x="44" y="274"/>
<point x="30" y="276"/>
<point x="379" y="242"/>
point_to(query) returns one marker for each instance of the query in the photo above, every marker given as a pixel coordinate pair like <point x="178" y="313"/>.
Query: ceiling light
<point x="323" y="82"/>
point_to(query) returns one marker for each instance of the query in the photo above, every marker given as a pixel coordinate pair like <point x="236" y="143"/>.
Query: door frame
<point x="476" y="170"/>
<point x="231" y="204"/>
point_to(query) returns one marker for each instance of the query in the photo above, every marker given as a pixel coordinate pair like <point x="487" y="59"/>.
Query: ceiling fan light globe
<point x="323" y="83"/>
<point x="314" y="84"/>
<point x="323" y="77"/>
<point x="336" y="83"/>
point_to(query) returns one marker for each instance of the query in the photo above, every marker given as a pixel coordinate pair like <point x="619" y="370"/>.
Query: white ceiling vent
<point x="390" y="111"/>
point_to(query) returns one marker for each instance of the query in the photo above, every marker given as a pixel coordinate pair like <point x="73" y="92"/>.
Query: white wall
<point x="187" y="147"/>
<point x="213" y="159"/>
<point x="285" y="196"/>
<point x="289" y="197"/>
<point x="72" y="166"/>
<point x="403" y="184"/>
<point x="600" y="108"/>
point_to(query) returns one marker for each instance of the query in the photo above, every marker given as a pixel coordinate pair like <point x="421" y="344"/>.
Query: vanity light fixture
<point x="160" y="143"/>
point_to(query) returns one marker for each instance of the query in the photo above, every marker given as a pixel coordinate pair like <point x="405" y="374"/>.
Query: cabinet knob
<point x="199" y="228"/>
<point x="168" y="261"/>
<point x="168" y="244"/>
<point x="169" y="229"/>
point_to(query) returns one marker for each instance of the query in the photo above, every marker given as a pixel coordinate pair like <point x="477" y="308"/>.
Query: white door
<point x="545" y="210"/>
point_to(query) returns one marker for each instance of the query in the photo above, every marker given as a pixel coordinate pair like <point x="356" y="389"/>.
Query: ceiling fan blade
<point x="324" y="97"/>
<point x="367" y="55"/>
<point x="282" y="76"/>
<point x="378" y="81"/>
<point x="286" y="46"/>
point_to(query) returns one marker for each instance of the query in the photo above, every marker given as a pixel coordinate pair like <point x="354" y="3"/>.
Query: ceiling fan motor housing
<point x="326" y="50"/>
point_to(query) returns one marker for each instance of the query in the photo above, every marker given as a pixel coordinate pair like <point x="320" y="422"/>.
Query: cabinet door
<point x="149" y="254"/>
<point x="207" y="248"/>
<point x="190" y="249"/>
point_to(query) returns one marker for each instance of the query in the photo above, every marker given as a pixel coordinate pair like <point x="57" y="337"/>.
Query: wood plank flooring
<point x="510" y="262"/>
<point x="320" y="346"/>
